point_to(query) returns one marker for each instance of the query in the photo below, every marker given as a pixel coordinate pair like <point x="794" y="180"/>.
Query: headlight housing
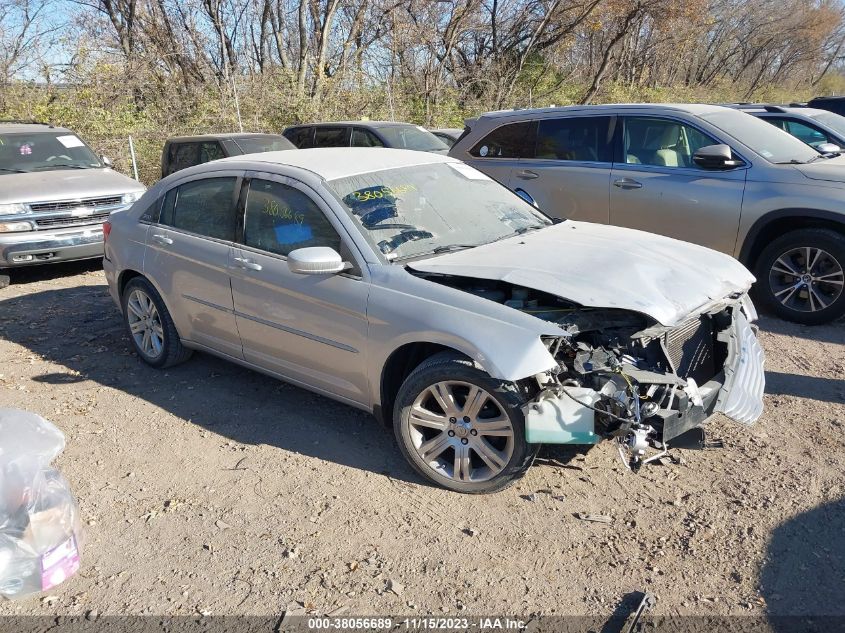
<point x="13" y="209"/>
<point x="15" y="227"/>
<point x="132" y="196"/>
<point x="748" y="308"/>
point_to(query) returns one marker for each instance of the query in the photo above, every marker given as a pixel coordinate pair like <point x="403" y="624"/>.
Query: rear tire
<point x="460" y="428"/>
<point x="800" y="276"/>
<point x="150" y="327"/>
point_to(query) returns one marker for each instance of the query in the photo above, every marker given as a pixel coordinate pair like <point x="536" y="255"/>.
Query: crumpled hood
<point x="831" y="169"/>
<point x="604" y="267"/>
<point x="64" y="184"/>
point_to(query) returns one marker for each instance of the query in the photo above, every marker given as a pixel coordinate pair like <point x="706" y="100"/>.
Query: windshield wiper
<point x="69" y="166"/>
<point x="13" y="171"/>
<point x="792" y="161"/>
<point x="448" y="248"/>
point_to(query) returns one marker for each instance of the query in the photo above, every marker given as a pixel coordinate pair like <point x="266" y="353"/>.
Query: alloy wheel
<point x="461" y="432"/>
<point x="806" y="279"/>
<point x="145" y="323"/>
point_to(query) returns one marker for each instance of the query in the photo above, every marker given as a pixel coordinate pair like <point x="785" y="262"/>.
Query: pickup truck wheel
<point x="801" y="276"/>
<point x="150" y="327"/>
<point x="461" y="429"/>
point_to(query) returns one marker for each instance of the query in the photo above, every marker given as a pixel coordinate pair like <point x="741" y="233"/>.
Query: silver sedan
<point x="413" y="286"/>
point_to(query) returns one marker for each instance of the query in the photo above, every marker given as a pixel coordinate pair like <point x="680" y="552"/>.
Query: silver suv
<point x="413" y="286"/>
<point x="706" y="174"/>
<point x="55" y="194"/>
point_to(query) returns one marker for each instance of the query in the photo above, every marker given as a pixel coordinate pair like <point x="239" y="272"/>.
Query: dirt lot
<point x="212" y="489"/>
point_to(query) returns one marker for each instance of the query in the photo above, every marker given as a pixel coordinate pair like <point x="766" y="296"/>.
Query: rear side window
<point x="575" y="138"/>
<point x="181" y="155"/>
<point x="205" y="207"/>
<point x="210" y="150"/>
<point x="331" y="137"/>
<point x="302" y="137"/>
<point x="515" y="140"/>
<point x="280" y="219"/>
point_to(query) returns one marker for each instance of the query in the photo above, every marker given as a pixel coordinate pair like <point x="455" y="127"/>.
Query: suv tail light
<point x="106" y="230"/>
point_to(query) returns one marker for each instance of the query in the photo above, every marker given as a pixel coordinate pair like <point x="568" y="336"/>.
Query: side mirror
<point x="715" y="157"/>
<point x="828" y="148"/>
<point x="106" y="161"/>
<point x="315" y="260"/>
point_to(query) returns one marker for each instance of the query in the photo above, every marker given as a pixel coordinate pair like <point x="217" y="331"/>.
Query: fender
<point x="772" y="216"/>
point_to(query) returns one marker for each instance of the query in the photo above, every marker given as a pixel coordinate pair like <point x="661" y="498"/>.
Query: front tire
<point x="150" y="327"/>
<point x="461" y="429"/>
<point x="801" y="276"/>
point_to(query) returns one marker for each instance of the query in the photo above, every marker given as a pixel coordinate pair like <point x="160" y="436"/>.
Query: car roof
<point x="371" y="124"/>
<point x="20" y="127"/>
<point x="339" y="162"/>
<point x="608" y="108"/>
<point x="778" y="109"/>
<point x="218" y="136"/>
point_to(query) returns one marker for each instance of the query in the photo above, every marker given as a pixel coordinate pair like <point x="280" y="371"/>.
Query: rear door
<point x="656" y="186"/>
<point x="310" y="329"/>
<point x="497" y="154"/>
<point x="189" y="251"/>
<point x="568" y="172"/>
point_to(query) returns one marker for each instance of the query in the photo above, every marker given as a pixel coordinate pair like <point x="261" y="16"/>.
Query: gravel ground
<point x="209" y="488"/>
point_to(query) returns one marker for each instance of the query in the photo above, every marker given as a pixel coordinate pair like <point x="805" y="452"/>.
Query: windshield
<point x="258" y="144"/>
<point x="423" y="209"/>
<point x="770" y="142"/>
<point x="834" y="121"/>
<point x="411" y="137"/>
<point x="43" y="151"/>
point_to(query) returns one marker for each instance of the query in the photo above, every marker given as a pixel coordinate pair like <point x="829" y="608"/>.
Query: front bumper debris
<point x="571" y="414"/>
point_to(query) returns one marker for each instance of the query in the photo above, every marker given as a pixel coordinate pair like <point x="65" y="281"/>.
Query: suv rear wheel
<point x="801" y="276"/>
<point x="460" y="428"/>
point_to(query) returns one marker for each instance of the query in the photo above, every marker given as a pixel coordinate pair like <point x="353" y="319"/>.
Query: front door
<point x="310" y="329"/>
<point x="656" y="186"/>
<point x="189" y="252"/>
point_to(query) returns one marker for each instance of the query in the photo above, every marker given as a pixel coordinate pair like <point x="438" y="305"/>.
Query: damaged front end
<point x="620" y="375"/>
<point x="644" y="385"/>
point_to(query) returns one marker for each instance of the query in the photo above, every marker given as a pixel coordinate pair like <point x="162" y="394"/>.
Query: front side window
<point x="575" y="138"/>
<point x="662" y="142"/>
<point x="412" y="137"/>
<point x="280" y="219"/>
<point x="365" y="138"/>
<point x="265" y="143"/>
<point x="331" y="137"/>
<point x="515" y="140"/>
<point x="44" y="151"/>
<point x="774" y="146"/>
<point x="809" y="134"/>
<point x="205" y="207"/>
<point x="423" y="209"/>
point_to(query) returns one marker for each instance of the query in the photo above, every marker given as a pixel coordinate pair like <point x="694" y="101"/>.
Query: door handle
<point x="162" y="239"/>
<point x="527" y="174"/>
<point x="627" y="183"/>
<point x="243" y="262"/>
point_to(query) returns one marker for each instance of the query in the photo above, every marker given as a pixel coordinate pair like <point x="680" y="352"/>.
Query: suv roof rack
<point x="24" y="122"/>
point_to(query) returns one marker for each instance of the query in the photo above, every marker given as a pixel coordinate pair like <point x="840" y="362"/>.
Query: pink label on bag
<point x="59" y="564"/>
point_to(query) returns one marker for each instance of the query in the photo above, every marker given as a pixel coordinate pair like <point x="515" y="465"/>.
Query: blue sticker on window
<point x="292" y="233"/>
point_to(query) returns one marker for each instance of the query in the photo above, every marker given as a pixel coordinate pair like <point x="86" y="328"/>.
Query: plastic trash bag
<point x="39" y="519"/>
